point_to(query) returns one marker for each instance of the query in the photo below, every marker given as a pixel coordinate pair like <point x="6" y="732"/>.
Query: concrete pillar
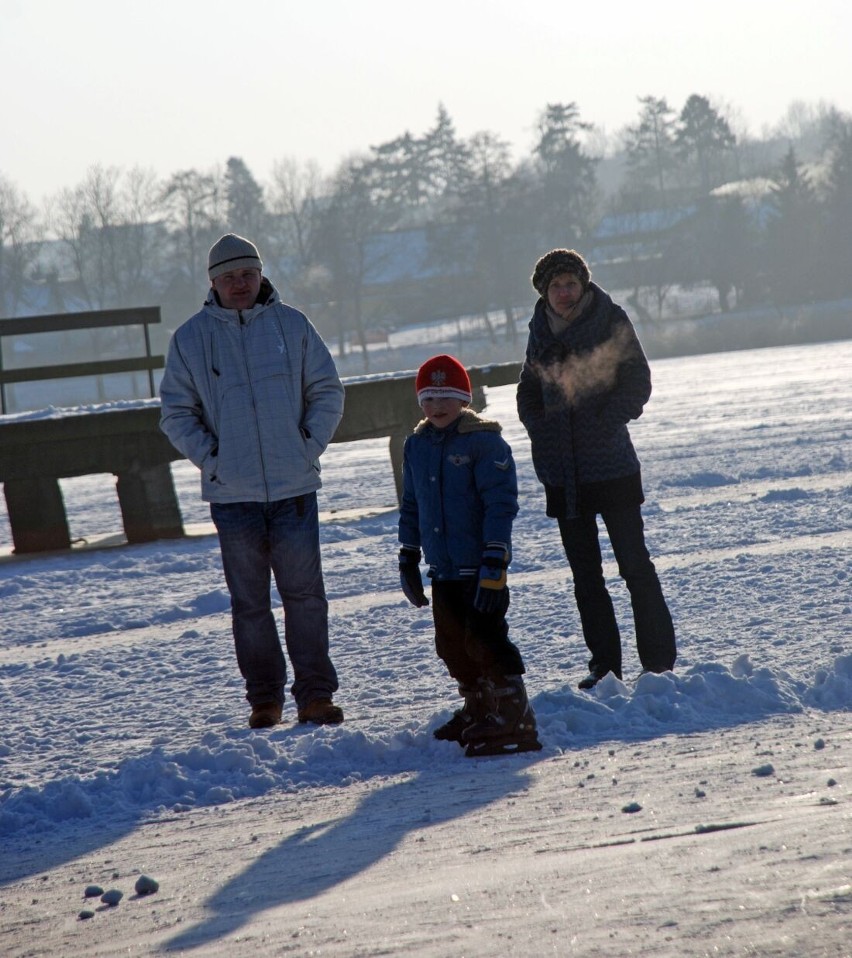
<point x="149" y="505"/>
<point x="396" y="444"/>
<point x="36" y="514"/>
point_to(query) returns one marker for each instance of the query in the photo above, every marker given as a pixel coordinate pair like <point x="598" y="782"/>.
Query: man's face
<point x="238" y="288"/>
<point x="563" y="293"/>
<point x="442" y="411"/>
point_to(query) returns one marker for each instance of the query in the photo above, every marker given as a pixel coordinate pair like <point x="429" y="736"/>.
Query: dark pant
<point x="472" y="644"/>
<point x="258" y="540"/>
<point x="655" y="638"/>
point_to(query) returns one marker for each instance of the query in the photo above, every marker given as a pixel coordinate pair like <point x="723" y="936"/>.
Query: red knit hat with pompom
<point x="443" y="377"/>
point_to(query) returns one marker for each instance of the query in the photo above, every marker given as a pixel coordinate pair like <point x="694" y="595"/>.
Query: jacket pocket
<point x="238" y="435"/>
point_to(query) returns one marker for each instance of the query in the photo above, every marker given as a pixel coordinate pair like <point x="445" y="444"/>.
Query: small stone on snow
<point x="146" y="885"/>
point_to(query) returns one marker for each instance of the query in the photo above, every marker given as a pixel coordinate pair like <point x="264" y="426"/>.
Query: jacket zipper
<point x="243" y="328"/>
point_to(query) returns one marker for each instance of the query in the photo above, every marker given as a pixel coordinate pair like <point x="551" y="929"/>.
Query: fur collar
<point x="468" y="421"/>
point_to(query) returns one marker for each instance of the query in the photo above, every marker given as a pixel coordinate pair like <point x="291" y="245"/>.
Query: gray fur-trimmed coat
<point x="576" y="394"/>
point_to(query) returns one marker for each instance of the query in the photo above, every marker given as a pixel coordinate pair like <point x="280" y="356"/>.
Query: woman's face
<point x="563" y="293"/>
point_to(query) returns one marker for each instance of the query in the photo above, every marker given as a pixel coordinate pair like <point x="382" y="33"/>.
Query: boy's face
<point x="443" y="411"/>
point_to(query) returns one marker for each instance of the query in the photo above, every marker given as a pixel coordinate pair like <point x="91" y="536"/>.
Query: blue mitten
<point x="492" y="594"/>
<point x="410" y="578"/>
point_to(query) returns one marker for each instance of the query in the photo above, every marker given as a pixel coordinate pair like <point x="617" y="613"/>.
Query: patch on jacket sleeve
<point x="457" y="459"/>
<point x="503" y="464"/>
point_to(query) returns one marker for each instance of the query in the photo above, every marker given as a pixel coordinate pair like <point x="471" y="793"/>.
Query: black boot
<point x="463" y="718"/>
<point x="508" y="724"/>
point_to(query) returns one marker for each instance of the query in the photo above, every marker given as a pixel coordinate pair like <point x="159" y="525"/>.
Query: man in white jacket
<point x="251" y="396"/>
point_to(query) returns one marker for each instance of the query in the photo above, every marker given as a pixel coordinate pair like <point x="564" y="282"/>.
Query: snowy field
<point x="705" y="812"/>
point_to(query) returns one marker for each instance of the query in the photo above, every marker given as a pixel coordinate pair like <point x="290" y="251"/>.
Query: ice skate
<point x="508" y="724"/>
<point x="463" y="718"/>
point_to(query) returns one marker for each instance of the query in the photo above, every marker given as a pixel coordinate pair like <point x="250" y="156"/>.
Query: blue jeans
<point x="258" y="540"/>
<point x="655" y="637"/>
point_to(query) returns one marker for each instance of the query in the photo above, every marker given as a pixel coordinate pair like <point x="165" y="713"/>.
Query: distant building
<point x="627" y="247"/>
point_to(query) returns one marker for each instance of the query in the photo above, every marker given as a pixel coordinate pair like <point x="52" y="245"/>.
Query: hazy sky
<point x="185" y="83"/>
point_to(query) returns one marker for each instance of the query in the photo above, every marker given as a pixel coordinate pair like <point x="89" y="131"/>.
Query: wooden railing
<point x="143" y="316"/>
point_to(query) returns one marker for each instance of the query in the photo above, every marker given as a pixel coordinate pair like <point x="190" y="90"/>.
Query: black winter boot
<point x="509" y="722"/>
<point x="463" y="718"/>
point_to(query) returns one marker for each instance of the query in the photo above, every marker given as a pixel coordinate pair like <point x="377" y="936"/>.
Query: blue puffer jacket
<point x="460" y="492"/>
<point x="251" y="397"/>
<point x="576" y="394"/>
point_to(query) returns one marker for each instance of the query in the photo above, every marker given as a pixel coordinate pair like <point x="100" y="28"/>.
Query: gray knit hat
<point x="232" y="252"/>
<point x="559" y="261"/>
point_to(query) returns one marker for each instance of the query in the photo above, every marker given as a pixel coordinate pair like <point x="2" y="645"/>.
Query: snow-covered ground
<point x="704" y="812"/>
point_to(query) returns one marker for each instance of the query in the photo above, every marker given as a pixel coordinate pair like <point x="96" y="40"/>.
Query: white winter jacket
<point x="251" y="397"/>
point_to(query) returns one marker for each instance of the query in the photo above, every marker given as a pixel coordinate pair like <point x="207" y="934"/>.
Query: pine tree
<point x="790" y="249"/>
<point x="564" y="198"/>
<point x="650" y="146"/>
<point x="704" y="135"/>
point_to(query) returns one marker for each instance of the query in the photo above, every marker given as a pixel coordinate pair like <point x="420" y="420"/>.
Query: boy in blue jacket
<point x="460" y="497"/>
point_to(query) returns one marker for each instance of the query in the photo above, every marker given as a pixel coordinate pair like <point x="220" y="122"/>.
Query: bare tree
<point x="108" y="224"/>
<point x="144" y="240"/>
<point x="245" y="201"/>
<point x="20" y="238"/>
<point x="70" y="220"/>
<point x="194" y="205"/>
<point x="487" y="195"/>
<point x="357" y="211"/>
<point x="296" y="198"/>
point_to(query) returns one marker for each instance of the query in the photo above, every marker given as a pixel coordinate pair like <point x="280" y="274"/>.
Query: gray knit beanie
<point x="232" y="252"/>
<point x="559" y="261"/>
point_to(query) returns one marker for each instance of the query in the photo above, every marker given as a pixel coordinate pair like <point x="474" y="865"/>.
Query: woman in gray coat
<point x="584" y="378"/>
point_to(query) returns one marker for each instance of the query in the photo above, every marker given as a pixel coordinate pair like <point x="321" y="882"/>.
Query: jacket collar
<point x="539" y="326"/>
<point x="468" y="421"/>
<point x="267" y="296"/>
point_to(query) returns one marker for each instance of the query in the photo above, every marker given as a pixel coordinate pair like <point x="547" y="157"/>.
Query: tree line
<point x="437" y="225"/>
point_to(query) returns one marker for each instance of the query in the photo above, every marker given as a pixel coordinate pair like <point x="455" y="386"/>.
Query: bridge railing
<point x="35" y="453"/>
